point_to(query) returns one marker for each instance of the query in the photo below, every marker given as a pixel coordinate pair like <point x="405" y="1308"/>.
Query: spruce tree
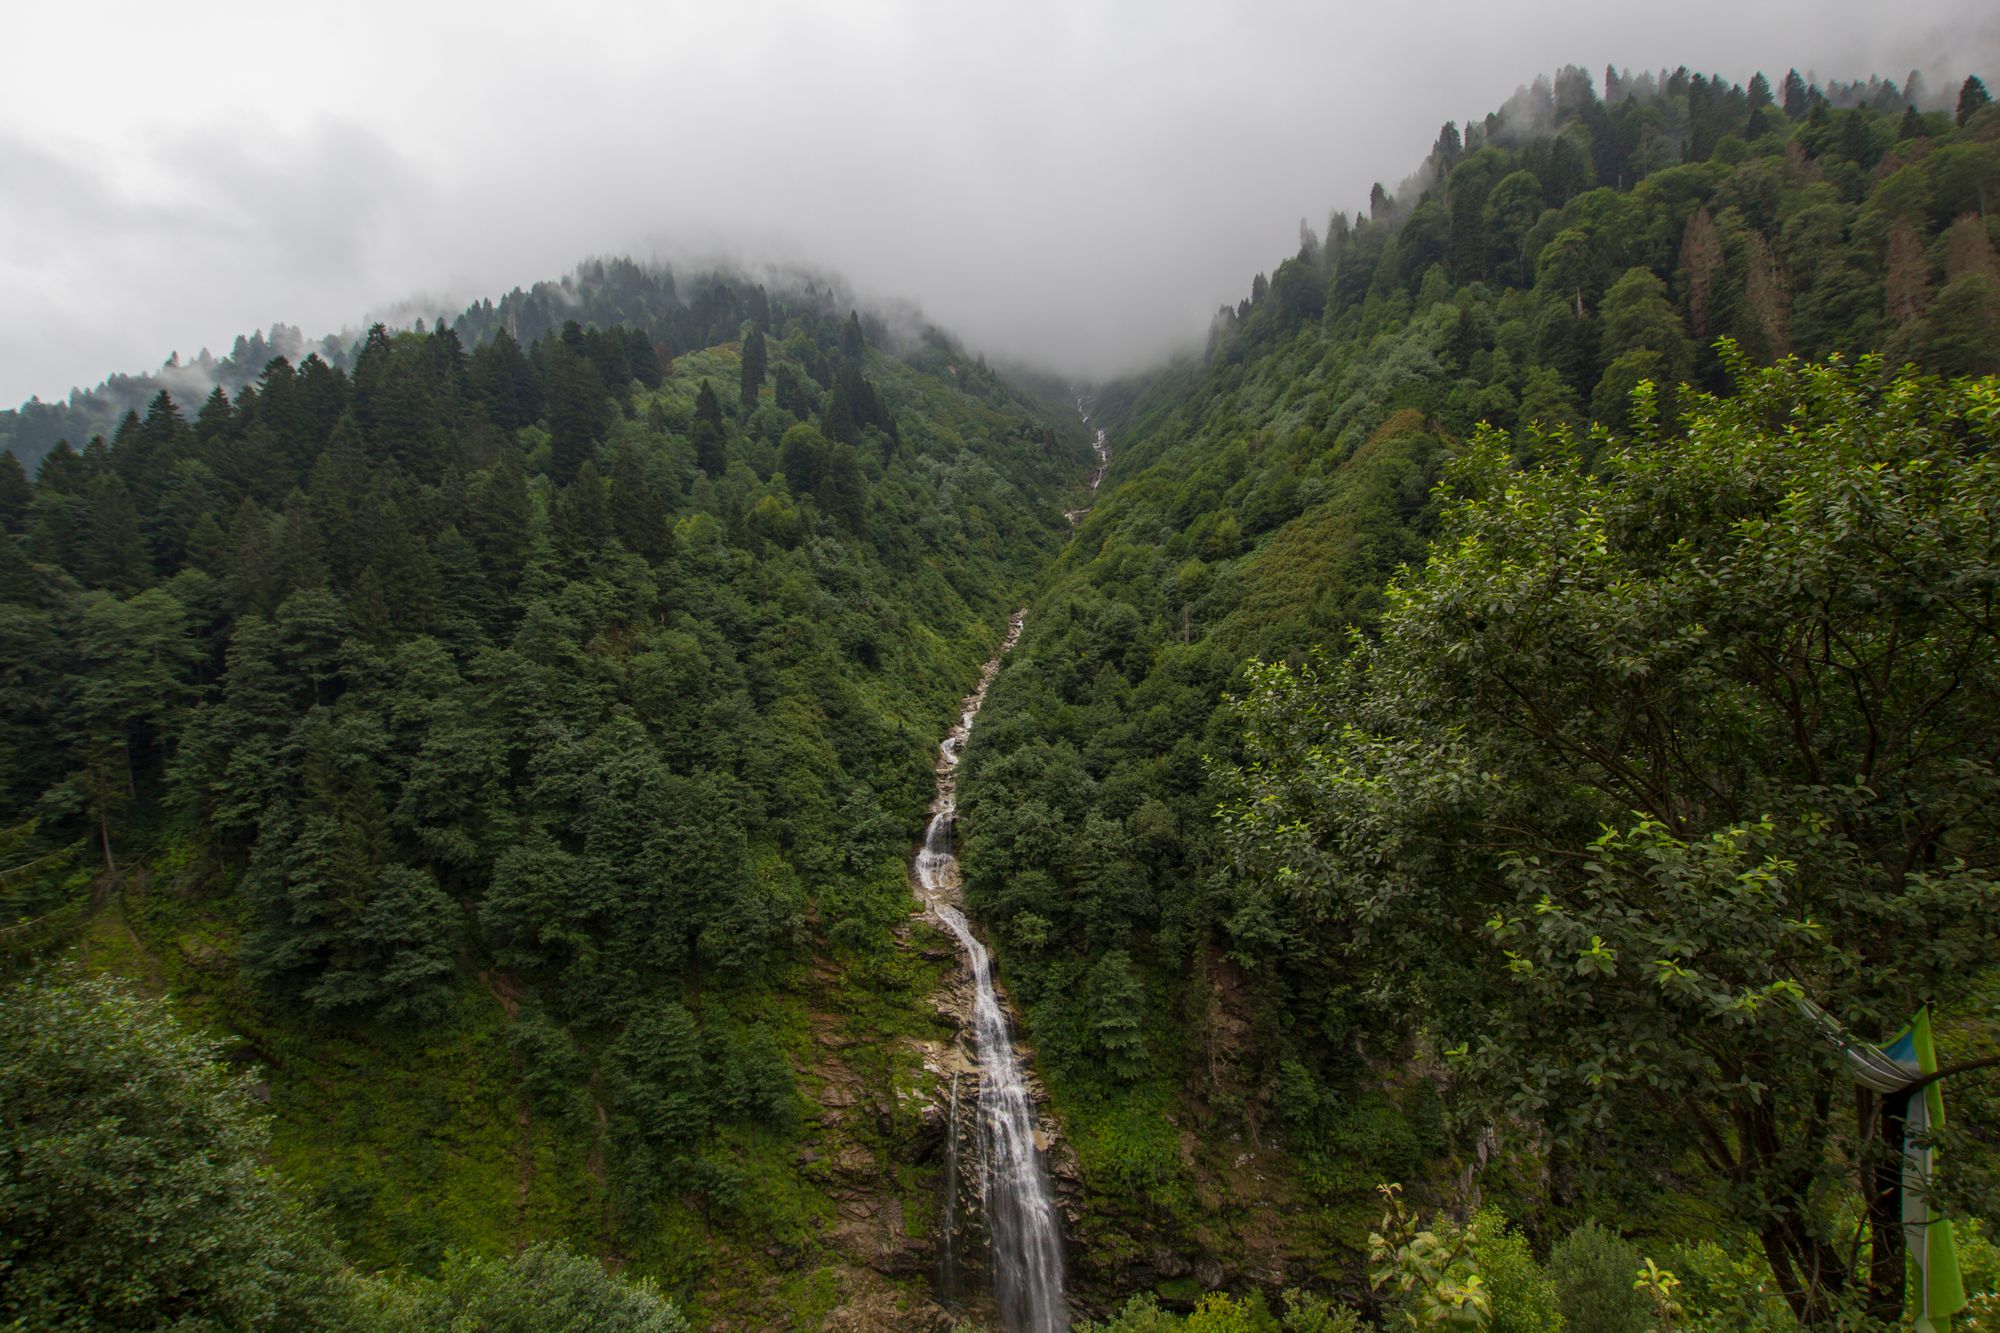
<point x="501" y="380"/>
<point x="15" y="493"/>
<point x="1972" y="96"/>
<point x="754" y="362"/>
<point x="1796" y="100"/>
<point x="710" y="451"/>
<point x="843" y="491"/>
<point x="638" y="516"/>
<point x="583" y="513"/>
<point x="1118" y="1003"/>
<point x="498" y="523"/>
<point x="113" y="551"/>
<point x="579" y="409"/>
<point x="215" y="419"/>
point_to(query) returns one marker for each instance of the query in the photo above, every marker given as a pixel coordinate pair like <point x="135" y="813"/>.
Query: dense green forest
<point x="1527" y="678"/>
<point x="516" y="747"/>
<point x="1235" y="1079"/>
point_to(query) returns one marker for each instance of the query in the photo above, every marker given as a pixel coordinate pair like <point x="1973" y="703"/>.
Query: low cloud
<point x="1068" y="185"/>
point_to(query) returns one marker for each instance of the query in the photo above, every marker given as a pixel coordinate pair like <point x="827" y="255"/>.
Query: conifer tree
<point x="215" y="418"/>
<point x="843" y="490"/>
<point x="498" y="521"/>
<point x="579" y="410"/>
<point x="583" y="514"/>
<point x="60" y="471"/>
<point x="754" y="362"/>
<point x="113" y="551"/>
<point x="1769" y="292"/>
<point x="502" y="381"/>
<point x="15" y="493"/>
<point x="1972" y="96"/>
<point x="1116" y="1000"/>
<point x="1796" y="101"/>
<point x="790" y="393"/>
<point x="1468" y="236"/>
<point x="225" y="770"/>
<point x="638" y="516"/>
<point x="709" y="440"/>
<point x="1445" y="152"/>
<point x="658" y="1070"/>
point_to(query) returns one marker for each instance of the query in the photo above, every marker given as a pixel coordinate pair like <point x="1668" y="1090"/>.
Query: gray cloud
<point x="1074" y="184"/>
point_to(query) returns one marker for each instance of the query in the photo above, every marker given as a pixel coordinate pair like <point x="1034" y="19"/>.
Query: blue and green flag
<point x="1940" y="1292"/>
<point x="1890" y="1071"/>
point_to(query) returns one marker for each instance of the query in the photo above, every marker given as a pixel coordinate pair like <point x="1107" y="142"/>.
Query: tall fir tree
<point x="1796" y="100"/>
<point x="755" y="360"/>
<point x="1972" y="98"/>
<point x="710" y="441"/>
<point x="16" y="494"/>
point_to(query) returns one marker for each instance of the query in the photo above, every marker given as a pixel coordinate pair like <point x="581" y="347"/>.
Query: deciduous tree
<point x="1653" y="750"/>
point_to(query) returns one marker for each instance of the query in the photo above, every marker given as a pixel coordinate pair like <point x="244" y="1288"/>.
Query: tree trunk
<point x="1884" y="1173"/>
<point x="1809" y="1272"/>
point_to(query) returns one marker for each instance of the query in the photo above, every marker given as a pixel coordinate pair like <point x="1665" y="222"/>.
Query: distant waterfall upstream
<point x="1100" y="443"/>
<point x="1022" y="1225"/>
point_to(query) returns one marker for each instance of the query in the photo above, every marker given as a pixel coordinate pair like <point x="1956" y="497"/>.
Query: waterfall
<point x="1101" y="443"/>
<point x="1021" y="1221"/>
<point x="948" y="1224"/>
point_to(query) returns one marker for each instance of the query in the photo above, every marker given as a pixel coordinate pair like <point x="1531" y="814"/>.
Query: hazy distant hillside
<point x="682" y="313"/>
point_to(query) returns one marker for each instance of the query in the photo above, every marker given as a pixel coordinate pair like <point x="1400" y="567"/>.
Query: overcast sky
<point x="1076" y="183"/>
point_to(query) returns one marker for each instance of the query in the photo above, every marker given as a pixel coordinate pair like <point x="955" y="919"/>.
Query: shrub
<point x="1593" y="1268"/>
<point x="1522" y="1294"/>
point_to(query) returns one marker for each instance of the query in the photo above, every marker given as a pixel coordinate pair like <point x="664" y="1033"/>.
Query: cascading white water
<point x="1021" y="1219"/>
<point x="948" y="1224"/>
<point x="1101" y="443"/>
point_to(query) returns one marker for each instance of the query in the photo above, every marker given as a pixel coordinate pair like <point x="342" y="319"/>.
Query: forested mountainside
<point x="698" y="309"/>
<point x="368" y="713"/>
<point x="1235" y="1082"/>
<point x="1500" y="715"/>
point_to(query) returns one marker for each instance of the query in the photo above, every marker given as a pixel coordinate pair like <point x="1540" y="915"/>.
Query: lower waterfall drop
<point x="947" y="1278"/>
<point x="1022" y="1224"/>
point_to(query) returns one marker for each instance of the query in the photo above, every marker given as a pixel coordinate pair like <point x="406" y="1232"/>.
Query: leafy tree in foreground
<point x="132" y="1192"/>
<point x="1655" y="748"/>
